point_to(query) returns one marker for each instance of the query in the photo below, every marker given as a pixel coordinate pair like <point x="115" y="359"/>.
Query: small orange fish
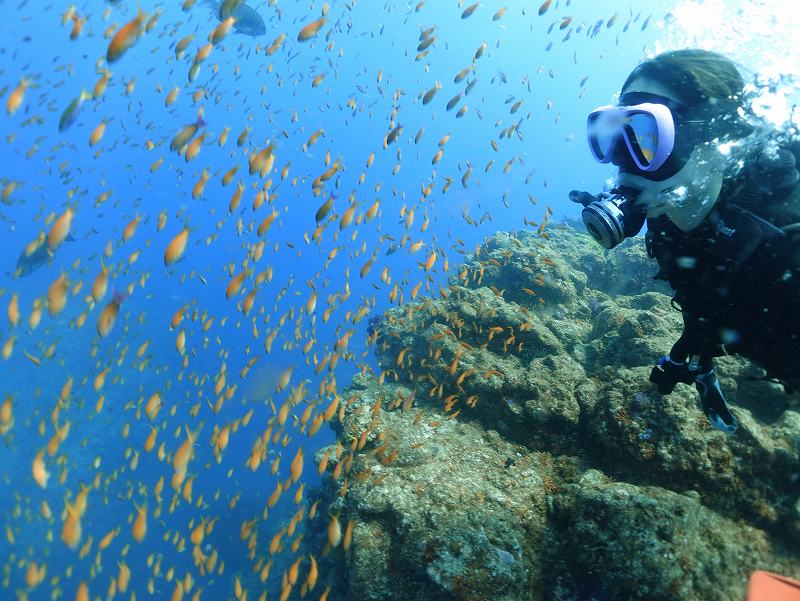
<point x="72" y="531"/>
<point x="109" y="315"/>
<point x="176" y="247"/>
<point x="181" y="139"/>
<point x="348" y="533"/>
<point x="221" y="31"/>
<point x="126" y="37"/>
<point x="40" y="473"/>
<point x="139" y="529"/>
<point x="98" y="133"/>
<point x="430" y="261"/>
<point x="347" y="217"/>
<point x="334" y="532"/>
<point x="124" y="578"/>
<point x="296" y="467"/>
<point x="17" y="96"/>
<point x="172" y="96"/>
<point x="82" y="594"/>
<point x="100" y="285"/>
<point x="130" y="228"/>
<point x="311" y="30"/>
<point x="13" y="310"/>
<point x="57" y="295"/>
<point x="77" y="26"/>
<point x="60" y="230"/>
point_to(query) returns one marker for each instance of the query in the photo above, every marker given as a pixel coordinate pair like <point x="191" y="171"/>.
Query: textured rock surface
<point x="513" y="448"/>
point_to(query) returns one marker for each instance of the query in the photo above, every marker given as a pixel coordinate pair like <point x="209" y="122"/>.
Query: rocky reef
<point x="513" y="449"/>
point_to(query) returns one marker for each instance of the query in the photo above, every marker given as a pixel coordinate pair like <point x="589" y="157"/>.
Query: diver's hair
<point x="706" y="81"/>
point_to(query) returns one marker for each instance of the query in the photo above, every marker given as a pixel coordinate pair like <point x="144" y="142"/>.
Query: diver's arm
<point x="691" y="360"/>
<point x="699" y="370"/>
<point x="669" y="372"/>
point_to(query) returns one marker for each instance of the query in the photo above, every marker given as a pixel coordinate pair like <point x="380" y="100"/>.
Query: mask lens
<point x="641" y="132"/>
<point x="604" y="129"/>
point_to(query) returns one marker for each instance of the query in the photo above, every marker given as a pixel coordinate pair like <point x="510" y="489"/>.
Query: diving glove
<point x="587" y="198"/>
<point x="714" y="405"/>
<point x="667" y="373"/>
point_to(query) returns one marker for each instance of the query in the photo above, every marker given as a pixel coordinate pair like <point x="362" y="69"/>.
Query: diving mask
<point x="647" y="134"/>
<point x="646" y="131"/>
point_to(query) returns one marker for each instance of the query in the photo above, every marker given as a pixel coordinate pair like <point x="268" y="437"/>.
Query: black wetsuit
<point x="737" y="280"/>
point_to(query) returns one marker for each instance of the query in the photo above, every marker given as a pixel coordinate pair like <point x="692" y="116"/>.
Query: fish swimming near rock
<point x="247" y="20"/>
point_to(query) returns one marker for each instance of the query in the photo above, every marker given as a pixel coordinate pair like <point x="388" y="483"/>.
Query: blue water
<point x="244" y="87"/>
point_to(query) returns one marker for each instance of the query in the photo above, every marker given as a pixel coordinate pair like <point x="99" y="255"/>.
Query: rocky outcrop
<point x="512" y="447"/>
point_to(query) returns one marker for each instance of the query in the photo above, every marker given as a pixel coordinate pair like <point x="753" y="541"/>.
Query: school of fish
<point x="137" y="374"/>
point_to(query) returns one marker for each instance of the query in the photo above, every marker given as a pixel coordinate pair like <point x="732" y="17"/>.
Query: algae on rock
<point x="512" y="447"/>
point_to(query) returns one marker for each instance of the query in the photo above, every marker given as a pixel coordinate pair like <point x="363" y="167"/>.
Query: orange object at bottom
<point x="766" y="586"/>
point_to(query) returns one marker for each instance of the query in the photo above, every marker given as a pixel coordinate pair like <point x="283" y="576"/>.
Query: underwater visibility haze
<point x="309" y="300"/>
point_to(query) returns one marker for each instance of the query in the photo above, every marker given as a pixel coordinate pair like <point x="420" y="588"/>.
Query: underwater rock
<point x="513" y="448"/>
<point x="459" y="514"/>
<point x="637" y="542"/>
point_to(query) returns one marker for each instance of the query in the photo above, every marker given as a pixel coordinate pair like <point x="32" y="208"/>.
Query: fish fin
<point x="213" y="5"/>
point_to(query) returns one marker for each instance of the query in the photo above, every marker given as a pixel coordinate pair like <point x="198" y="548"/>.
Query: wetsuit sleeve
<point x="699" y="336"/>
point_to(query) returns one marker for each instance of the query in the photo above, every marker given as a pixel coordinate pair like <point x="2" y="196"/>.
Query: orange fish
<point x="334" y="531"/>
<point x="236" y="284"/>
<point x="40" y="473"/>
<point x="176" y="247"/>
<point x="109" y="315"/>
<point x="100" y="285"/>
<point x="13" y="310"/>
<point x="221" y="31"/>
<point x="124" y="578"/>
<point x="77" y="26"/>
<point x="430" y="261"/>
<point x="311" y="30"/>
<point x="125" y="37"/>
<point x="17" y="96"/>
<point x="140" y="524"/>
<point x="71" y="532"/>
<point x="297" y="465"/>
<point x="98" y="133"/>
<point x="60" y="230"/>
<point x="82" y="593"/>
<point x="130" y="228"/>
<point x="57" y="295"/>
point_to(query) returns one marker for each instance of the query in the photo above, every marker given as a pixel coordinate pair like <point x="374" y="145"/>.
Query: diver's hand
<point x="585" y="198"/>
<point x="667" y="373"/>
<point x="714" y="405"/>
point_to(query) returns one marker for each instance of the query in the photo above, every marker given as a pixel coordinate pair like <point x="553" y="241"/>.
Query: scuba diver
<point x="719" y="192"/>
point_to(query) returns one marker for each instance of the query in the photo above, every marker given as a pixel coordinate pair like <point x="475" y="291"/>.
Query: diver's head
<point x="674" y="112"/>
<point x="703" y="92"/>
